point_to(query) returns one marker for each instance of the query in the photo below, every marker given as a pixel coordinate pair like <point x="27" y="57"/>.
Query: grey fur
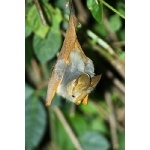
<point x="71" y="72"/>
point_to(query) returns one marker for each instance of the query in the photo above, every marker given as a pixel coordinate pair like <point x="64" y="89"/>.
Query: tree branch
<point x="67" y="128"/>
<point x="40" y="12"/>
<point x="112" y="122"/>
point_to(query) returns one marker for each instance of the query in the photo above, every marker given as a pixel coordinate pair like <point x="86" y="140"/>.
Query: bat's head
<point x="79" y="88"/>
<point x="78" y="79"/>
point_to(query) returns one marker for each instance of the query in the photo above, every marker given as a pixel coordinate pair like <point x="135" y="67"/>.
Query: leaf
<point x="122" y="56"/>
<point x="46" y="49"/>
<point x="61" y="4"/>
<point x="100" y="29"/>
<point x="99" y="125"/>
<point x="28" y="91"/>
<point x="121" y="7"/>
<point x="34" y="22"/>
<point x="28" y="31"/>
<point x="94" y="141"/>
<point x="62" y="138"/>
<point x="96" y="10"/>
<point x="78" y="124"/>
<point x="35" y="122"/>
<point x="29" y="1"/>
<point x="115" y="22"/>
<point x="121" y="138"/>
<point x="54" y="15"/>
<point x="89" y="109"/>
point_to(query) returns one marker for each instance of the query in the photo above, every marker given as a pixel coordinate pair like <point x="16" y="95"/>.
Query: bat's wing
<point x="63" y="59"/>
<point x="52" y="88"/>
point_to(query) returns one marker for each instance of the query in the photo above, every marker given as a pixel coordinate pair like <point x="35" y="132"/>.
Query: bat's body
<point x="77" y="68"/>
<point x="73" y="74"/>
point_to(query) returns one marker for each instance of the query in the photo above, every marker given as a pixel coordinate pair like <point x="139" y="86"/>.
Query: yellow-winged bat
<point x="73" y="74"/>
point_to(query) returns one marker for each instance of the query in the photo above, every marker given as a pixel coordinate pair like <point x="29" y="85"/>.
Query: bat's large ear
<point x="95" y="80"/>
<point x="83" y="80"/>
<point x="85" y="100"/>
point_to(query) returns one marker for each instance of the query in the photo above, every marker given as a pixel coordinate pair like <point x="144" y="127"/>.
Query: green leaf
<point x="122" y="56"/>
<point x="78" y="124"/>
<point x="61" y="4"/>
<point x="121" y="7"/>
<point x="62" y="138"/>
<point x="89" y="109"/>
<point x="115" y="22"/>
<point x="54" y="15"/>
<point x="35" y="122"/>
<point x="100" y="29"/>
<point x="121" y="138"/>
<point x="46" y="49"/>
<point x="28" y="31"/>
<point x="28" y="91"/>
<point x="96" y="9"/>
<point x="94" y="141"/>
<point x="99" y="125"/>
<point x="35" y="23"/>
<point x="29" y="1"/>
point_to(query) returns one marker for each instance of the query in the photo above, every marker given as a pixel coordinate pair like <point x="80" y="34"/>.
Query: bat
<point x="73" y="75"/>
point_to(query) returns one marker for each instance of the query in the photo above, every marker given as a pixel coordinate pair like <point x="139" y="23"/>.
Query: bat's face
<point x="78" y="89"/>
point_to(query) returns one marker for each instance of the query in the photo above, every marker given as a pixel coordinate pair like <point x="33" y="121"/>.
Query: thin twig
<point x="120" y="95"/>
<point x="52" y="130"/>
<point x="101" y="42"/>
<point x="118" y="85"/>
<point x="120" y="128"/>
<point x="40" y="12"/>
<point x="119" y="66"/>
<point x="82" y="13"/>
<point x="116" y="82"/>
<point x="72" y="110"/>
<point x="113" y="9"/>
<point x="105" y="115"/>
<point x="112" y="34"/>
<point x="106" y="50"/>
<point x="102" y="111"/>
<point x="34" y="73"/>
<point x="67" y="128"/>
<point x="112" y="121"/>
<point x="119" y="44"/>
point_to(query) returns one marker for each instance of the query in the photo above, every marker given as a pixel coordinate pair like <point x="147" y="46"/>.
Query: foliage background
<point x="100" y="125"/>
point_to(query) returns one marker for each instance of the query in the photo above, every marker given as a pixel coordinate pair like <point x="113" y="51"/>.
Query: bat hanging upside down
<point x="73" y="74"/>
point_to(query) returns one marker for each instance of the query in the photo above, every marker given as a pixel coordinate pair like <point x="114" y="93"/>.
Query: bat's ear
<point x="85" y="100"/>
<point x="95" y="80"/>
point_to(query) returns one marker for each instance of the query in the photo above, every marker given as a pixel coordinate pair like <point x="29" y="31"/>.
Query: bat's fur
<point x="75" y="68"/>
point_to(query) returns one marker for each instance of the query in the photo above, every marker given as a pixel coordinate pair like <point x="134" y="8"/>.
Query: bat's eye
<point x="73" y="96"/>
